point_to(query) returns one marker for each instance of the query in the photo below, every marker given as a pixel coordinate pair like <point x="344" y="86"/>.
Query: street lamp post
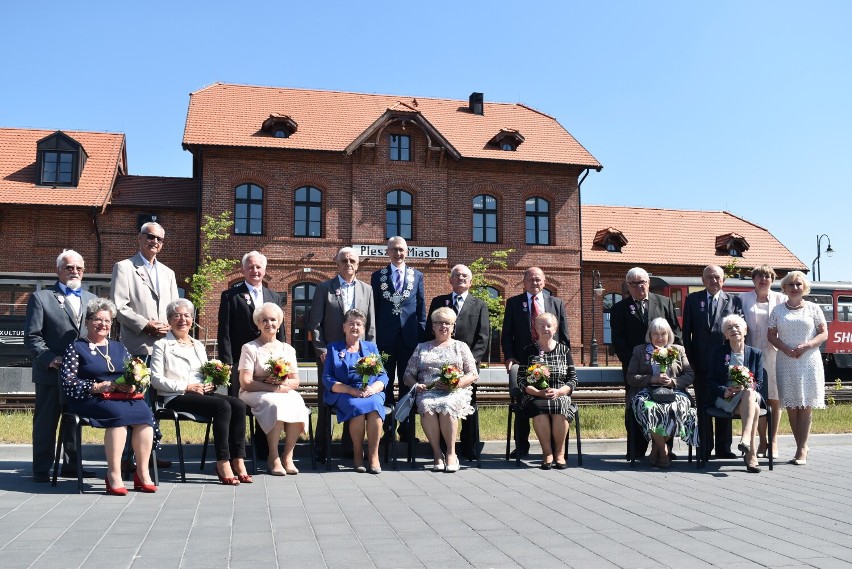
<point x="598" y="290"/>
<point x="816" y="270"/>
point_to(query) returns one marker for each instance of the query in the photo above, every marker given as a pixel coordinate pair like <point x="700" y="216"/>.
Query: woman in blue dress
<point x="363" y="407"/>
<point x="89" y="369"/>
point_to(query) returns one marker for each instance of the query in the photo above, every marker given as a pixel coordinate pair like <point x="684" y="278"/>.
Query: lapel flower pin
<point x="702" y="306"/>
<point x="632" y="309"/>
<point x="525" y="306"/>
<point x="337" y="292"/>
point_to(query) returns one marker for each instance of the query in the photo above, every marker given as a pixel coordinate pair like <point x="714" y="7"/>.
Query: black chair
<point x="253" y="426"/>
<point x="328" y="412"/>
<point x="473" y="419"/>
<point x="515" y="408"/>
<point x="162" y="413"/>
<point x="713" y="411"/>
<point x="630" y="442"/>
<point x="78" y="423"/>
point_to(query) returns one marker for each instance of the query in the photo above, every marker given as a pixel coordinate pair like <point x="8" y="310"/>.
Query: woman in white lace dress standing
<point x="440" y="407"/>
<point x="797" y="328"/>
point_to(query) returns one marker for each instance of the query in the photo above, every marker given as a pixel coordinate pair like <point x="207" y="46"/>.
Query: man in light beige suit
<point x="141" y="289"/>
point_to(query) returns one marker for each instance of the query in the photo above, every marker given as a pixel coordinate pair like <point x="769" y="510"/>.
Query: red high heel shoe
<point x="110" y="491"/>
<point x="137" y="485"/>
<point x="229" y="481"/>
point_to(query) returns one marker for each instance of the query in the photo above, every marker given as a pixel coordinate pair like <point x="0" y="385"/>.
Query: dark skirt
<point x="534" y="406"/>
<point x="107" y="413"/>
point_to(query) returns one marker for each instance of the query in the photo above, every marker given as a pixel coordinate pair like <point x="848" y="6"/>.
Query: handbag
<point x="403" y="406"/>
<point x="662" y="395"/>
<point x="122" y="396"/>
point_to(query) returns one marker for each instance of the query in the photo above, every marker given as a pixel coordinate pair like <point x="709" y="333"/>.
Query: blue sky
<point x="742" y="106"/>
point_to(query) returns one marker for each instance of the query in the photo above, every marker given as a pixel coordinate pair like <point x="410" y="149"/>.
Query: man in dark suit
<point x="629" y="319"/>
<point x="332" y="299"/>
<point x="236" y="326"/>
<point x="472" y="327"/>
<point x="521" y="311"/>
<point x="54" y="320"/>
<point x="703" y="312"/>
<point x="236" y="307"/>
<point x="400" y="304"/>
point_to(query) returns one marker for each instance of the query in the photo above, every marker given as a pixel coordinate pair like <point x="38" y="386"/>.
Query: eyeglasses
<point x="443" y="323"/>
<point x="762" y="276"/>
<point x="180" y="316"/>
<point x="152" y="237"/>
<point x="637" y="283"/>
<point x="104" y="321"/>
<point x="74" y="268"/>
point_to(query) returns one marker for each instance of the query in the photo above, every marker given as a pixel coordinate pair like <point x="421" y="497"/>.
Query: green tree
<point x="732" y="270"/>
<point x="210" y="270"/>
<point x="481" y="282"/>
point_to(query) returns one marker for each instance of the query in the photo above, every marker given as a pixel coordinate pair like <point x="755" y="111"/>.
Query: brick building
<point x="306" y="172"/>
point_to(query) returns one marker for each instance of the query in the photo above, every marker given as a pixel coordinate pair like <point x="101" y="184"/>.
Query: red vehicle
<point x="835" y="299"/>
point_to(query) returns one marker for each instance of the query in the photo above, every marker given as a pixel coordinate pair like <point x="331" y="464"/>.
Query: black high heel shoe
<point x="744" y="448"/>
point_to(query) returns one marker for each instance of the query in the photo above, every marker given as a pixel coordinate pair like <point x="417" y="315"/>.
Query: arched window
<point x="300" y="339"/>
<point x="538" y="221"/>
<point x="609" y="301"/>
<point x="398" y="214"/>
<point x="248" y="210"/>
<point x="307" y="217"/>
<point x="485" y="219"/>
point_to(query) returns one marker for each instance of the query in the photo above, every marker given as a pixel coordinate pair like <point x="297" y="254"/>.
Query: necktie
<point x="397" y="280"/>
<point x="643" y="312"/>
<point x="711" y="312"/>
<point x="534" y="311"/>
<point x="258" y="298"/>
<point x="457" y="303"/>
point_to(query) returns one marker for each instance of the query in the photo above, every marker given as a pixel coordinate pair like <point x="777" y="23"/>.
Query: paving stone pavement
<point x="603" y="514"/>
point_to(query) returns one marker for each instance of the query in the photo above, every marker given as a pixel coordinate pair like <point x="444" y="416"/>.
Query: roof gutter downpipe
<point x="582" y="267"/>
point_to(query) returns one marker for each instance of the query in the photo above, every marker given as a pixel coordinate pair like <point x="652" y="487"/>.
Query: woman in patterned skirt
<point x="441" y="406"/>
<point x="549" y="402"/>
<point x="797" y="328"/>
<point x="660" y="421"/>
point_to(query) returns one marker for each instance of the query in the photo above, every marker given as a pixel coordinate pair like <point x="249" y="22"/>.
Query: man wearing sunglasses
<point x="54" y="320"/>
<point x="142" y="287"/>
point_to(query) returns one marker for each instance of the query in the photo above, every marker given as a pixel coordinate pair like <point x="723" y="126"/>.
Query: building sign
<point x="414" y="252"/>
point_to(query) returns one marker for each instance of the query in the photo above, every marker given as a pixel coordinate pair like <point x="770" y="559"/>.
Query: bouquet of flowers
<point x="664" y="357"/>
<point x="740" y="375"/>
<point x="537" y="375"/>
<point x="137" y="374"/>
<point x="369" y="366"/>
<point x="217" y="373"/>
<point x="450" y="376"/>
<point x="278" y="368"/>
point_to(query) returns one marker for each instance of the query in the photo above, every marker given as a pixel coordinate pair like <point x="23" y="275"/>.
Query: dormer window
<point x="731" y="244"/>
<point x="59" y="160"/>
<point x="610" y="239"/>
<point x="279" y="126"/>
<point x="508" y="139"/>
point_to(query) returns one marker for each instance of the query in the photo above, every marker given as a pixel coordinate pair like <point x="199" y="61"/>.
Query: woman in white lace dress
<point x="274" y="402"/>
<point x="797" y="328"/>
<point x="439" y="406"/>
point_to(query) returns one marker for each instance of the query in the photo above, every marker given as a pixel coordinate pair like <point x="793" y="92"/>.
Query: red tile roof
<point x="106" y="156"/>
<point x="680" y="237"/>
<point x="231" y="115"/>
<point x="156" y="190"/>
